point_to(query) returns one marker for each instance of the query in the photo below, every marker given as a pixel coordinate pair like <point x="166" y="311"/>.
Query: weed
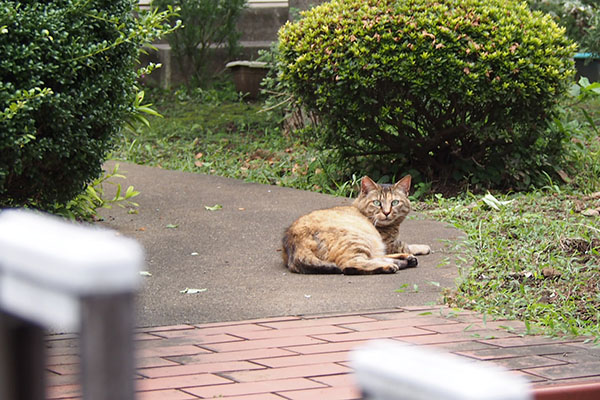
<point x="580" y="120"/>
<point x="85" y="206"/>
<point x="529" y="256"/>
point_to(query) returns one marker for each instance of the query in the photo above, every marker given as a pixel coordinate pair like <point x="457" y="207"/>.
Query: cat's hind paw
<point x="383" y="269"/>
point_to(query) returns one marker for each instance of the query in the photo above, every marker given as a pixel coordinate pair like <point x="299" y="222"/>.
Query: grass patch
<point x="534" y="257"/>
<point x="216" y="132"/>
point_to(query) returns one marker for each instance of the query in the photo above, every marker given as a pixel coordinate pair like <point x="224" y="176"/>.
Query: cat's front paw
<point x="419" y="249"/>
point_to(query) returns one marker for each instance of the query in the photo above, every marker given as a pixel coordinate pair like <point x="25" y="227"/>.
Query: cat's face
<point x="384" y="205"/>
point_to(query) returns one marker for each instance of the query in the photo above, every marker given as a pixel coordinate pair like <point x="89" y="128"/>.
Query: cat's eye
<point x="377" y="203"/>
<point x="395" y="203"/>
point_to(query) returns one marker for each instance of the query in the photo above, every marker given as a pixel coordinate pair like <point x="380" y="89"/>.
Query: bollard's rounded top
<point x="68" y="256"/>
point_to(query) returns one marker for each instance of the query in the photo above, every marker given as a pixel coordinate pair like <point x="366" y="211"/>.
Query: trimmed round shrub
<point x="450" y="88"/>
<point x="67" y="80"/>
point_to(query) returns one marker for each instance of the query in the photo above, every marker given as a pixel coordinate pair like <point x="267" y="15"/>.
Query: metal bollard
<point x="388" y="370"/>
<point x="71" y="278"/>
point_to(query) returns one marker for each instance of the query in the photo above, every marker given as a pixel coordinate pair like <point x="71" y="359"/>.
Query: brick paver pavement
<point x="307" y="357"/>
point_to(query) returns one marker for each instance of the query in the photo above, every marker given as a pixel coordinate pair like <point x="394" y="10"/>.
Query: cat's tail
<point x="303" y="260"/>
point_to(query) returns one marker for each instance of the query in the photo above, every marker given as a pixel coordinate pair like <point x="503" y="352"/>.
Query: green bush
<point x="67" y="81"/>
<point x="450" y="88"/>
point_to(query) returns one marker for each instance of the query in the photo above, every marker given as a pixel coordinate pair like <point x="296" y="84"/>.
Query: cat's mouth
<point x="383" y="221"/>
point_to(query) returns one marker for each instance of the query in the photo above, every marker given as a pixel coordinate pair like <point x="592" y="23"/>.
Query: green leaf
<point x="584" y="82"/>
<point x="131" y="192"/>
<point x="214" y="208"/>
<point x="172" y="226"/>
<point x="575" y="90"/>
<point x="590" y="121"/>
<point x="402" y="288"/>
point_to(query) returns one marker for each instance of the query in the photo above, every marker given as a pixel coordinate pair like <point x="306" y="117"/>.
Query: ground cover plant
<point x="532" y="256"/>
<point x="535" y="255"/>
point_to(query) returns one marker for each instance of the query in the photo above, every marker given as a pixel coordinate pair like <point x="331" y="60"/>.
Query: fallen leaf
<point x="579" y="206"/>
<point x="563" y="175"/>
<point x="593" y="196"/>
<point x="192" y="291"/>
<point x="145" y="273"/>
<point x="194" y="254"/>
<point x="241" y="209"/>
<point x="214" y="208"/>
<point x="551" y="272"/>
<point x="198" y="164"/>
<point x="402" y="288"/>
<point x="172" y="226"/>
<point x="199" y="155"/>
<point x="591" y="212"/>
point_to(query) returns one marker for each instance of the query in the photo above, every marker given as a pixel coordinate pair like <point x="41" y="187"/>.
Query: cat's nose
<point x="386" y="212"/>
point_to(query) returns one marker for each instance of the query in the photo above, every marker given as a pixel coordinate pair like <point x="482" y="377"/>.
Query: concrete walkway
<point x="233" y="254"/>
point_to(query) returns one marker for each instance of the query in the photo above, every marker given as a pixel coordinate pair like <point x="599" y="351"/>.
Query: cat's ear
<point x="404" y="184"/>
<point x="367" y="184"/>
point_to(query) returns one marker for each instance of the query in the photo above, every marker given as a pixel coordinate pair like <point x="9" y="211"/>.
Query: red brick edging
<point x="306" y="357"/>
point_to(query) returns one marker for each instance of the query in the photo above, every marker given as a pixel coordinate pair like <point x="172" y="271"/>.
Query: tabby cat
<point x="358" y="239"/>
